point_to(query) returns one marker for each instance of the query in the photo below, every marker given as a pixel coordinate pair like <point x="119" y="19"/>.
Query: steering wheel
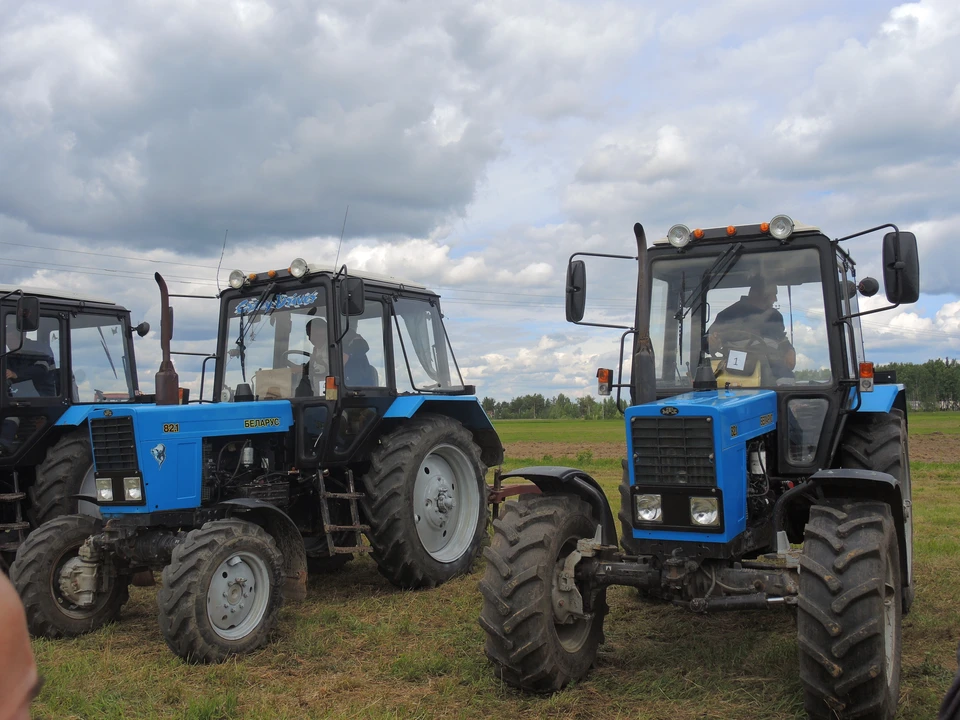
<point x="291" y="363"/>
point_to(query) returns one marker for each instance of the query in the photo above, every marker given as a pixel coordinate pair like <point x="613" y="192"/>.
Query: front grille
<point x="673" y="451"/>
<point x="113" y="443"/>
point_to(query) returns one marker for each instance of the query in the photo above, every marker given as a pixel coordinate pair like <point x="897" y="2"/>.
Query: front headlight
<point x="104" y="489"/>
<point x="237" y="279"/>
<point x="648" y="508"/>
<point x="704" y="511"/>
<point x="132" y="491"/>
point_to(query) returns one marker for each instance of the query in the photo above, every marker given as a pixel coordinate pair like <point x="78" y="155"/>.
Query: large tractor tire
<point x="221" y="592"/>
<point x="66" y="470"/>
<point x="878" y="441"/>
<point x="623" y="515"/>
<point x="51" y="611"/>
<point x="849" y="621"/>
<point x="426" y="502"/>
<point x="531" y="641"/>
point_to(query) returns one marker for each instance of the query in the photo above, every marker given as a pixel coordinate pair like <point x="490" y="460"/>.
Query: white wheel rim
<point x="889" y="623"/>
<point x="238" y="595"/>
<point x="446" y="503"/>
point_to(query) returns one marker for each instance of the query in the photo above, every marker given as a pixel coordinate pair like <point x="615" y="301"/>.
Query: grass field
<point x="357" y="647"/>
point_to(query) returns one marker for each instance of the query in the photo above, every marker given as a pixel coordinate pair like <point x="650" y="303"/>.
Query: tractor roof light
<point x="781" y="227"/>
<point x="237" y="279"/>
<point x="299" y="267"/>
<point x="679" y="236"/>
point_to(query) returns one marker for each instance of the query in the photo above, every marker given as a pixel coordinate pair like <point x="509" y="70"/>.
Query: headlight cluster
<point x="781" y="227"/>
<point x="132" y="490"/>
<point x="648" y="508"/>
<point x="298" y="268"/>
<point x="705" y="511"/>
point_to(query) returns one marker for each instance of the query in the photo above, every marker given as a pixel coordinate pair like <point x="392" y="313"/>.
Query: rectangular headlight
<point x="648" y="508"/>
<point x="705" y="511"/>
<point x="132" y="490"/>
<point x="104" y="489"/>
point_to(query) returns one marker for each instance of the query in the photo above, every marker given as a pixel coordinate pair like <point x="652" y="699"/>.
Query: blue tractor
<point x="338" y="411"/>
<point x="766" y="466"/>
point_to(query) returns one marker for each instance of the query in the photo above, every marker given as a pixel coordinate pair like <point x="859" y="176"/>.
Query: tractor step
<point x="342" y="550"/>
<point x="344" y="496"/>
<point x="12" y="497"/>
<point x="14" y="526"/>
<point x="342" y="528"/>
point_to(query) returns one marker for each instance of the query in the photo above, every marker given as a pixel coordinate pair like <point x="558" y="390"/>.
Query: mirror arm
<point x="600" y="255"/>
<point x="843" y="318"/>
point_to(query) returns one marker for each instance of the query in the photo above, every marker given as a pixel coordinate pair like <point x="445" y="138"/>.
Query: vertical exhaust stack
<point x="643" y="381"/>
<point x="167" y="380"/>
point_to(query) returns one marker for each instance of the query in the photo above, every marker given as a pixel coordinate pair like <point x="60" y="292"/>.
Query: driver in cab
<point x="753" y="321"/>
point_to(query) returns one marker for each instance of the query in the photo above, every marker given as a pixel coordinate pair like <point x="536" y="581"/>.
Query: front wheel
<point x="850" y="612"/>
<point x="221" y="591"/>
<point x="49" y="575"/>
<point x="426" y="502"/>
<point x="533" y="639"/>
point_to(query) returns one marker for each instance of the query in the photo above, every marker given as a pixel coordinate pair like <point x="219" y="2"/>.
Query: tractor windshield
<point x="764" y="318"/>
<point x="98" y="355"/>
<point x="277" y="344"/>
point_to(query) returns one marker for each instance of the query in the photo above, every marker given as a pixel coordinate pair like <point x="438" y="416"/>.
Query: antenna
<point x="221" y="258"/>
<point x="341" y="235"/>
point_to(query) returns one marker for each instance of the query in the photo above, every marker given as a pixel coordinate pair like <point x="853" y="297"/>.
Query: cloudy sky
<point x="477" y="144"/>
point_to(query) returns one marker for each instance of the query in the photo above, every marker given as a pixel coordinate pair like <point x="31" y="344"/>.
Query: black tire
<point x="186" y="599"/>
<point x="60" y="475"/>
<point x="528" y="646"/>
<point x="849" y="618"/>
<point x="36" y="572"/>
<point x="319" y="561"/>
<point x="878" y="441"/>
<point x="399" y="528"/>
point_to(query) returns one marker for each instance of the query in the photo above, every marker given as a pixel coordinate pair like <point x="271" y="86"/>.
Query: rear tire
<point x="426" y="502"/>
<point x="36" y="575"/>
<point x="61" y="474"/>
<point x="527" y="643"/>
<point x="849" y="618"/>
<point x="221" y="591"/>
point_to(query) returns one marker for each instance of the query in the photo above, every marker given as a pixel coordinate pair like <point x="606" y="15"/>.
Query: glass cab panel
<point x="764" y="320"/>
<point x="98" y="355"/>
<point x="426" y="362"/>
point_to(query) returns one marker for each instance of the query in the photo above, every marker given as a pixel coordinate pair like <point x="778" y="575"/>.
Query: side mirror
<point x="351" y="296"/>
<point x="142" y="329"/>
<point x="901" y="267"/>
<point x="576" y="290"/>
<point x="28" y="313"/>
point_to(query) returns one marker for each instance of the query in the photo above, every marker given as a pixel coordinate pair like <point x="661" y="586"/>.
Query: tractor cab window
<point x="98" y="357"/>
<point x="762" y="314"/>
<point x="423" y="359"/>
<point x="33" y="370"/>
<point x="278" y="345"/>
<point x="364" y="360"/>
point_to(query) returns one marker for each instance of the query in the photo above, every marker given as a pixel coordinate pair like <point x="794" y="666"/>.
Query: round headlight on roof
<point x="299" y="268"/>
<point x="781" y="227"/>
<point x="237" y="279"/>
<point x="678" y="236"/>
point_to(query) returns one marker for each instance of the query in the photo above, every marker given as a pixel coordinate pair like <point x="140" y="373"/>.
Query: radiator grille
<point x="673" y="451"/>
<point x="113" y="443"/>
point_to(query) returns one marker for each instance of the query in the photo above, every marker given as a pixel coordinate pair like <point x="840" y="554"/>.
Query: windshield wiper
<point x="103" y="342"/>
<point x="243" y="330"/>
<point x="711" y="278"/>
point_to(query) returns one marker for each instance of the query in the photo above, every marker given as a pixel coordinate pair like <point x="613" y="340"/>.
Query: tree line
<point x="934" y="385"/>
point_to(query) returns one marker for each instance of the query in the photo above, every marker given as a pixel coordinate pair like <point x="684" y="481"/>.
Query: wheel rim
<point x="572" y="635"/>
<point x="67" y="558"/>
<point x="446" y="503"/>
<point x="889" y="622"/>
<point x="88" y="487"/>
<point x="238" y="595"/>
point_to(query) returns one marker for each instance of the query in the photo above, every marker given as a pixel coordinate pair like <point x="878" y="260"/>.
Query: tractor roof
<point x="373" y="277"/>
<point x="753" y="232"/>
<point x="55" y="294"/>
<point x="322" y="269"/>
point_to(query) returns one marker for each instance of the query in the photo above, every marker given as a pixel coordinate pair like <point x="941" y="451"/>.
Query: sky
<point x="478" y="144"/>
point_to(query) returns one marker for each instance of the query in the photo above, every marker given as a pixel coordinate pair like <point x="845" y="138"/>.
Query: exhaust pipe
<point x="167" y="380"/>
<point x="644" y="377"/>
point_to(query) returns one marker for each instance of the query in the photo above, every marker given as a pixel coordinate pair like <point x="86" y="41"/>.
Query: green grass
<point x="925" y="423"/>
<point x="359" y="648"/>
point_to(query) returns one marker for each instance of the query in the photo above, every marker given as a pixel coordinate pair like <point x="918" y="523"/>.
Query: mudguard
<point x="284" y="532"/>
<point x="880" y="400"/>
<point x="570" y="481"/>
<point x="873" y="485"/>
<point x="465" y="409"/>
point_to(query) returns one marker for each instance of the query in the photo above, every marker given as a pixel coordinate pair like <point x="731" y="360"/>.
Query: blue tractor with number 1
<point x="766" y="466"/>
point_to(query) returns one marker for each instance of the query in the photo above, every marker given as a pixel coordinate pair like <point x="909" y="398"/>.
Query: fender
<point x="552" y="479"/>
<point x="465" y="409"/>
<point x="286" y="534"/>
<point x="873" y="485"/>
<point x="881" y="400"/>
<point x="75" y="415"/>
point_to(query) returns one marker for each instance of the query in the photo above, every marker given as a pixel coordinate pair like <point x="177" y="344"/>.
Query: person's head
<point x="317" y="331"/>
<point x="763" y="293"/>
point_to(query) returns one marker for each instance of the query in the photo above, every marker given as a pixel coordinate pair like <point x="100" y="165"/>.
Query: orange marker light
<point x="866" y="369"/>
<point x="271" y="273"/>
<point x="604" y="375"/>
<point x="764" y="227"/>
<point x="698" y="234"/>
<point x="252" y="276"/>
<point x="731" y="230"/>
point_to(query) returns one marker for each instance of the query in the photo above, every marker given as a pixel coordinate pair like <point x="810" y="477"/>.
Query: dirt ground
<point x="935" y="447"/>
